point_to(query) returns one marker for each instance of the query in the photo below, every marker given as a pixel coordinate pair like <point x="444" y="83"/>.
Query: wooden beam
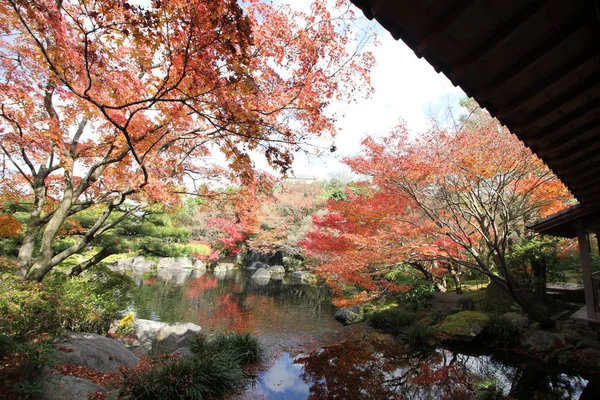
<point x="584" y="164"/>
<point x="441" y="26"/>
<point x="584" y="88"/>
<point x="554" y="143"/>
<point x="574" y="115"/>
<point x="584" y="148"/>
<point x="571" y="67"/>
<point x="498" y="38"/>
<point x="553" y="43"/>
<point x="588" y="287"/>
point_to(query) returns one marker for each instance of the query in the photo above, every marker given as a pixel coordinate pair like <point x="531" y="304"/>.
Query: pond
<point x="313" y="356"/>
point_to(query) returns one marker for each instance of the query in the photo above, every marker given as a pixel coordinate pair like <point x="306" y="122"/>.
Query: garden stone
<point x="174" y="263"/>
<point x="96" y="352"/>
<point x="261" y="274"/>
<point x="199" y="265"/>
<point x="277" y="277"/>
<point x="464" y="327"/>
<point x="175" y="336"/>
<point x="277" y="269"/>
<point x="60" y="387"/>
<point x="228" y="266"/>
<point x="258" y="265"/>
<point x="542" y="341"/>
<point x="348" y="315"/>
<point x="145" y="331"/>
<point x="517" y="320"/>
<point x="451" y="301"/>
<point x="302" y="276"/>
<point x="220" y="269"/>
<point x="141" y="263"/>
<point x="184" y="352"/>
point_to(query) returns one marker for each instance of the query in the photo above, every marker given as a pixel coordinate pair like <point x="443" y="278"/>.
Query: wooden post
<point x="588" y="287"/>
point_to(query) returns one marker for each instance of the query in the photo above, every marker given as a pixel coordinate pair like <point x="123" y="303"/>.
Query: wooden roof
<point x="564" y="223"/>
<point x="535" y="65"/>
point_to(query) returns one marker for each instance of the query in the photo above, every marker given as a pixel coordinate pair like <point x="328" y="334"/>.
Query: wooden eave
<point x="535" y="65"/>
<point x="564" y="223"/>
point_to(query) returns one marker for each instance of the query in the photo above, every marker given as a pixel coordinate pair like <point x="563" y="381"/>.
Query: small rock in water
<point x="348" y="315"/>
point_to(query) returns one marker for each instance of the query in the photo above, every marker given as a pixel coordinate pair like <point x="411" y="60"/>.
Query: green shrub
<point x="487" y="389"/>
<point x="503" y="331"/>
<point x="85" y="303"/>
<point x="244" y="347"/>
<point x="392" y="320"/>
<point x="416" y="334"/>
<point x="421" y="290"/>
<point x="171" y="377"/>
<point x="214" y="371"/>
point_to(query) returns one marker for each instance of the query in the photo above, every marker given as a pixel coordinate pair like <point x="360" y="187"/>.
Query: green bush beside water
<point x="214" y="370"/>
<point x="85" y="303"/>
<point x="392" y="320"/>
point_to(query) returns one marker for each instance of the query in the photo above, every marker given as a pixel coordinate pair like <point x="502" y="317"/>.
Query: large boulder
<point x="348" y="315"/>
<point x="463" y="327"/>
<point x="174" y="336"/>
<point x="543" y="341"/>
<point x="96" y="352"/>
<point x="447" y="302"/>
<point x="55" y="386"/>
<point x="145" y="331"/>
<point x="517" y="320"/>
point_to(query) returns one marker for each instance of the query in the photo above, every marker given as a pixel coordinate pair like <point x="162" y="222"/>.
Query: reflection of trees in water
<point x="233" y="303"/>
<point x="312" y="297"/>
<point x="367" y="369"/>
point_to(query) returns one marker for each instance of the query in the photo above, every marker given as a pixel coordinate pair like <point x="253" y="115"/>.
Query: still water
<point x="313" y="356"/>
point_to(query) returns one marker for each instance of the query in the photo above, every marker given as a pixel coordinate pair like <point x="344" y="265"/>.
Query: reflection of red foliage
<point x="196" y="287"/>
<point x="149" y="281"/>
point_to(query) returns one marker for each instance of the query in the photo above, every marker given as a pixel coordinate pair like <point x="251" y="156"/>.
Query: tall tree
<point x="104" y="103"/>
<point x="470" y="193"/>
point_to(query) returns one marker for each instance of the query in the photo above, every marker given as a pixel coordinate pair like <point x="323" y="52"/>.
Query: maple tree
<point x="455" y="197"/>
<point x="112" y="105"/>
<point x="284" y="218"/>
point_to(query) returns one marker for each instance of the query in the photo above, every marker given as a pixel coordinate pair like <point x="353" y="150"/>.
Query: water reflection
<point x="383" y="369"/>
<point x="279" y="309"/>
<point x="296" y="322"/>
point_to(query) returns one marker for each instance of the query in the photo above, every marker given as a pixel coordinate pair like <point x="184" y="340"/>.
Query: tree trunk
<point x="456" y="277"/>
<point x="539" y="279"/>
<point x="34" y="226"/>
<point x="526" y="299"/>
<point x="90" y="262"/>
